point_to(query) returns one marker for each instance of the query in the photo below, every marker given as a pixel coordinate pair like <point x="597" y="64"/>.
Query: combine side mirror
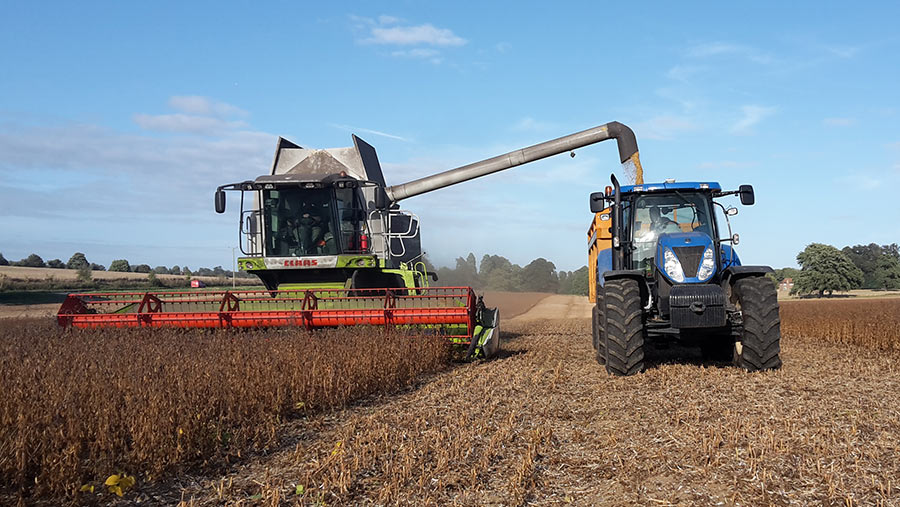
<point x="220" y="201"/>
<point x="381" y="199"/>
<point x="597" y="202"/>
<point x="433" y="276"/>
<point x="747" y="197"/>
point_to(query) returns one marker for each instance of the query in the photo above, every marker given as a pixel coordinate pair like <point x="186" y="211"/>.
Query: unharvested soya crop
<point x="80" y="406"/>
<point x="871" y="323"/>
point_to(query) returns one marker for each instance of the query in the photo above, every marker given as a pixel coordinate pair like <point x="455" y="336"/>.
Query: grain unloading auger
<point x="328" y="239"/>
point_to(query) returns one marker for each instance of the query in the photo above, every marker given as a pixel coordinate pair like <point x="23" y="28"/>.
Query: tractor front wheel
<point x="760" y="343"/>
<point x="624" y="327"/>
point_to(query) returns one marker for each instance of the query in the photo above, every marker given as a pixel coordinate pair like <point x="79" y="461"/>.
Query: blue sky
<point x="119" y="119"/>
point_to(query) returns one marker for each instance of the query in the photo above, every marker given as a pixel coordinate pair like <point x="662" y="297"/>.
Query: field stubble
<point x="544" y="424"/>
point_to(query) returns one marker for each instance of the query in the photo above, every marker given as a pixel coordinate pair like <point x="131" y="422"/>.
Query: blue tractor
<point x="664" y="269"/>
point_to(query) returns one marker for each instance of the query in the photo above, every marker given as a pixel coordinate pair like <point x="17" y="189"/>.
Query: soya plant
<point x="77" y="404"/>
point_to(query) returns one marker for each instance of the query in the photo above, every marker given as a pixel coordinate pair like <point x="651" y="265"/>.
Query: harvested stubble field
<point x="543" y="424"/>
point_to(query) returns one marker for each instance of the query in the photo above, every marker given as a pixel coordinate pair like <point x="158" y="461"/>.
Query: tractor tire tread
<point x="624" y="327"/>
<point x="761" y="337"/>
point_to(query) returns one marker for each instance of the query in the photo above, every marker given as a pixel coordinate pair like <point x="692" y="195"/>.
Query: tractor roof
<point x="709" y="186"/>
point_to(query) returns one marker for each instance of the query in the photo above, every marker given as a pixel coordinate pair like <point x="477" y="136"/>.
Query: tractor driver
<point x="660" y="224"/>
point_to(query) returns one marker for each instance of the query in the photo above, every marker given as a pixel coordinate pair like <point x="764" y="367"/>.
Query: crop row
<point x="80" y="407"/>
<point x="870" y="323"/>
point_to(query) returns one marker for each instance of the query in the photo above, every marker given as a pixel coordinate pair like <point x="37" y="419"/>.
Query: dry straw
<point x="80" y="406"/>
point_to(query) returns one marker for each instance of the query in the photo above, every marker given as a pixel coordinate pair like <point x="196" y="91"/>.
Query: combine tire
<point x="760" y="341"/>
<point x="624" y="329"/>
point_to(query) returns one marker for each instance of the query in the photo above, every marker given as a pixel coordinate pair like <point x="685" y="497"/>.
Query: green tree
<point x="877" y="263"/>
<point x="161" y="270"/>
<point x="120" y="265"/>
<point x="32" y="261"/>
<point x="498" y="273"/>
<point x="824" y="268"/>
<point x="540" y="276"/>
<point x="77" y="261"/>
<point x="175" y="270"/>
<point x="98" y="267"/>
<point x="887" y="272"/>
<point x="3" y="261"/>
<point x="141" y="268"/>
<point x="577" y="282"/>
<point x="84" y="273"/>
<point x="782" y="273"/>
<point x="56" y="264"/>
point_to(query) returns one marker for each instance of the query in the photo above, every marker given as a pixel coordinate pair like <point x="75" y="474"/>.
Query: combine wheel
<point x="624" y="329"/>
<point x="760" y="342"/>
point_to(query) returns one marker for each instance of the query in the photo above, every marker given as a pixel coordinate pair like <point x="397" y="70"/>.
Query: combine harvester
<point x="328" y="239"/>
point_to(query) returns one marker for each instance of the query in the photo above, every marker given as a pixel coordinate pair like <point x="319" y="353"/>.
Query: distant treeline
<point x="79" y="262"/>
<point x="498" y="273"/>
<point x="824" y="268"/>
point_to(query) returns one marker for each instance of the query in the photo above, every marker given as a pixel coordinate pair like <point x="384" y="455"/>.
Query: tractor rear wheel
<point x="597" y="325"/>
<point x="760" y="343"/>
<point x="624" y="327"/>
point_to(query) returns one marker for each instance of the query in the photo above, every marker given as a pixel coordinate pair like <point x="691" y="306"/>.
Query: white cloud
<point x="432" y="55"/>
<point x="179" y="122"/>
<point x="414" y="35"/>
<point x="750" y="116"/>
<point x="529" y="124"/>
<point x="839" y="122"/>
<point x="843" y="51"/>
<point x="388" y="20"/>
<point x="683" y="73"/>
<point x="503" y="47"/>
<point x="663" y="127"/>
<point x="196" y="104"/>
<point x="725" y="164"/>
<point x="713" y="49"/>
<point x="349" y="128"/>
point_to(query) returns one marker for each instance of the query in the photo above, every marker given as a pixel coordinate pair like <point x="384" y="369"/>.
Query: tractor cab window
<point x="668" y="213"/>
<point x="299" y="222"/>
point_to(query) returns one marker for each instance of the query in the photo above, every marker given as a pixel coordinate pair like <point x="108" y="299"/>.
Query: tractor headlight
<point x="708" y="266"/>
<point x="673" y="266"/>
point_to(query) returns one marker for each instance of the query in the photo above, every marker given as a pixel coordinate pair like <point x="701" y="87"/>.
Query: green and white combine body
<point x="319" y="220"/>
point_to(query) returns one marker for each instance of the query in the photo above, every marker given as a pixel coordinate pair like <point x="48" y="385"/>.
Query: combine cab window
<point x="304" y="222"/>
<point x="664" y="214"/>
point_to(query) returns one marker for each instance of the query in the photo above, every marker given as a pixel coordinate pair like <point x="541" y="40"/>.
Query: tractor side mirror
<point x="747" y="197"/>
<point x="220" y="201"/>
<point x="597" y="202"/>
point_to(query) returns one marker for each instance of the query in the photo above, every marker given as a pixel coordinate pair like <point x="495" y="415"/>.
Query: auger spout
<point x="624" y="136"/>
